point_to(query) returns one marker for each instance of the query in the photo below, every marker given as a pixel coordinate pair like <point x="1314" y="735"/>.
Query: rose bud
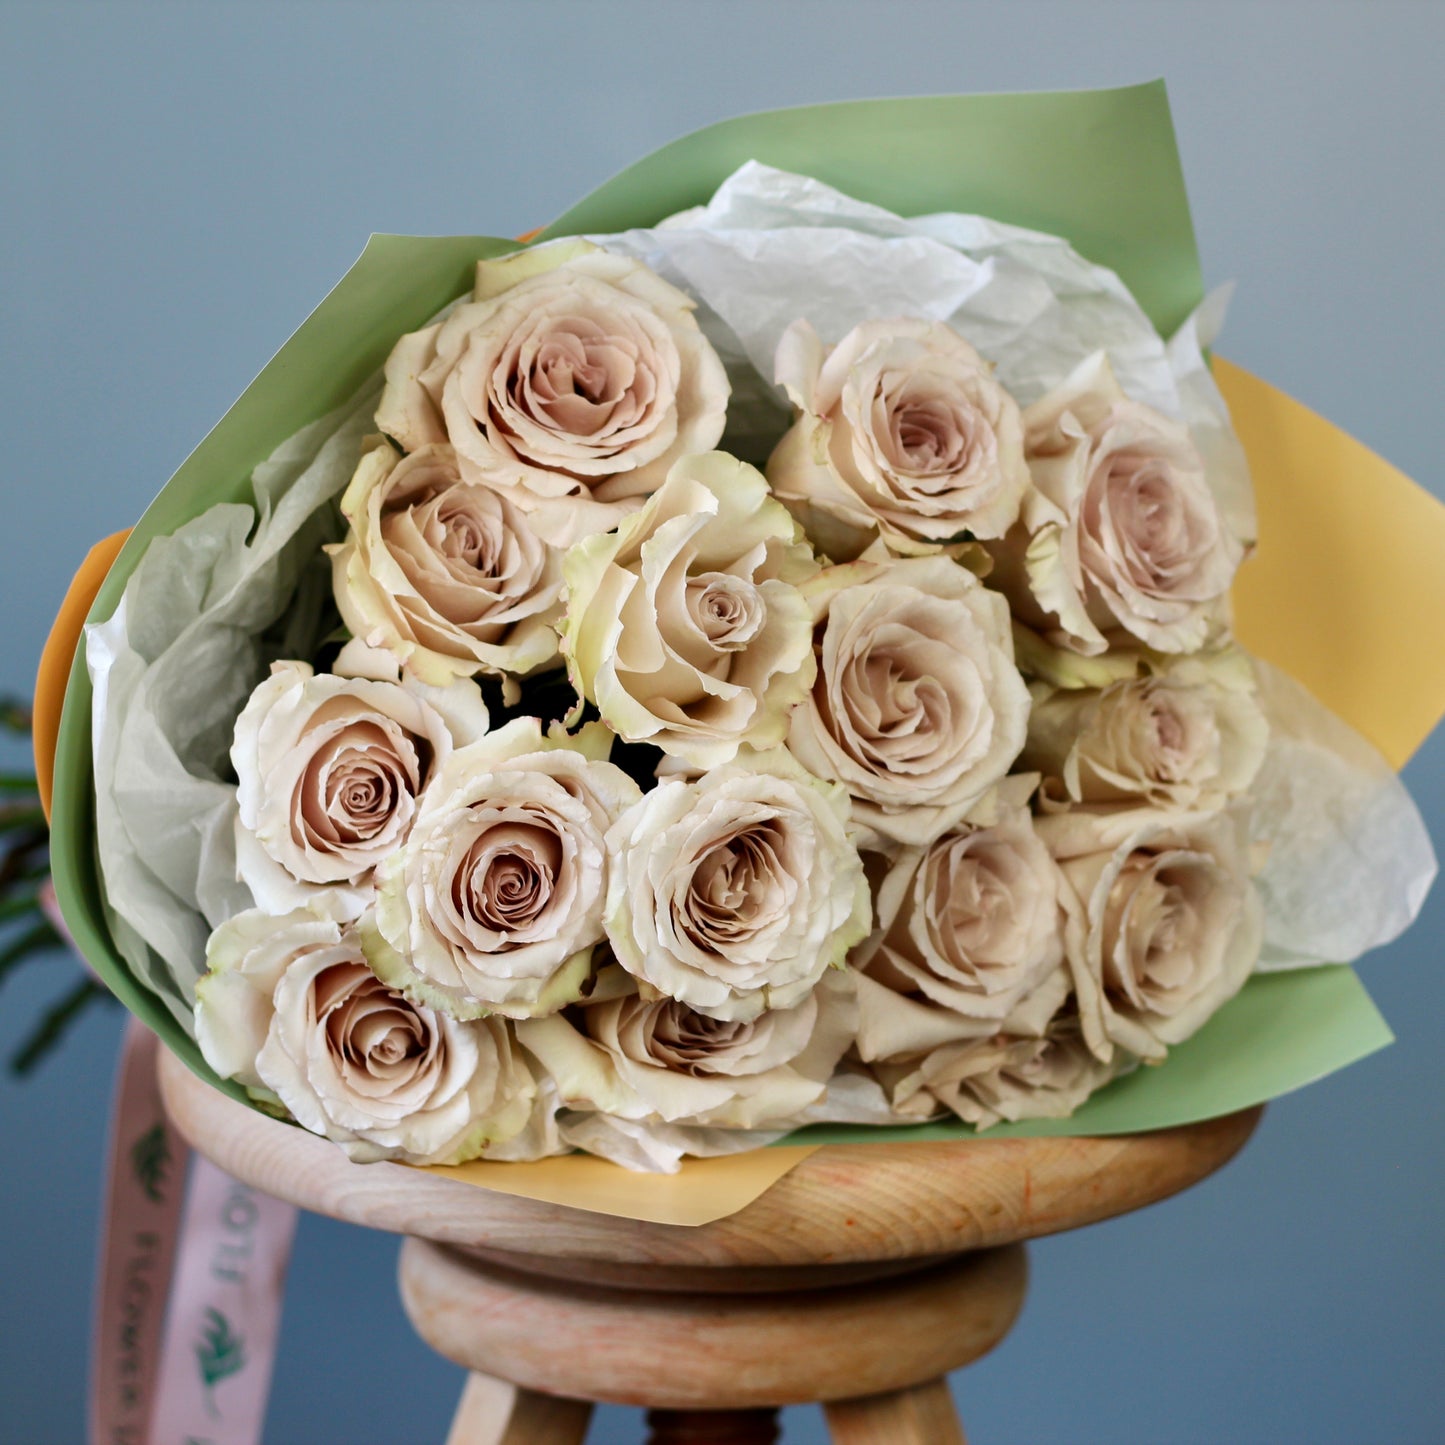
<point x="329" y="769"/>
<point x="917" y="709"/>
<point x="572" y="382"/>
<point x="290" y="1010"/>
<point x="446" y="575"/>
<point x="902" y="433"/>
<point x="1121" y="539"/>
<point x="495" y="903"/>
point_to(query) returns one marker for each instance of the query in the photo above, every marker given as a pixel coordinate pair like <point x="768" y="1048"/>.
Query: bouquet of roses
<point x="767" y="669"/>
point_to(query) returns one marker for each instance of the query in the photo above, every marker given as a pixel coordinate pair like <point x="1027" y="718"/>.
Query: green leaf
<point x="29" y="816"/>
<point x="14" y="715"/>
<point x="24" y="858"/>
<point x="150" y="1158"/>
<point x="25" y="901"/>
<point x="34" y="940"/>
<point x="54" y="1026"/>
<point x="219" y="1352"/>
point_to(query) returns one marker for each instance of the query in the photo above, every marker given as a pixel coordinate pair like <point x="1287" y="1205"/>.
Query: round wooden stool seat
<point x="857" y="1280"/>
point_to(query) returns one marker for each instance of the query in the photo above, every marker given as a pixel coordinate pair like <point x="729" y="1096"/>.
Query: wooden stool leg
<point x="923" y="1415"/>
<point x="713" y="1427"/>
<point x="492" y="1412"/>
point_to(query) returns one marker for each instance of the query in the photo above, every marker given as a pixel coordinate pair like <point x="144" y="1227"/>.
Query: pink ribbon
<point x="189" y="1362"/>
<point x="225" y="1314"/>
<point x="146" y="1175"/>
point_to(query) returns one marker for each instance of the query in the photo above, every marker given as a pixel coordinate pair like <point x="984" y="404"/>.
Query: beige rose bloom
<point x="1164" y="923"/>
<point x="685" y="626"/>
<point x="572" y="381"/>
<point x="495" y="903"/>
<point x="446" y="575"/>
<point x="965" y="930"/>
<point x="1180" y="740"/>
<point x="1002" y="1077"/>
<point x="328" y="771"/>
<point x="633" y="1056"/>
<point x="1122" y="534"/>
<point x="291" y="1011"/>
<point x="917" y="709"/>
<point x="902" y="433"/>
<point x="734" y="894"/>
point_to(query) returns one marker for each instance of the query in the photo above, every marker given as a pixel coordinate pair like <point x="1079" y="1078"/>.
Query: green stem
<point x="20" y="905"/>
<point x="52" y="1027"/>
<point x="24" y="859"/>
<point x="12" y="818"/>
<point x="33" y="940"/>
<point x="14" y="715"/>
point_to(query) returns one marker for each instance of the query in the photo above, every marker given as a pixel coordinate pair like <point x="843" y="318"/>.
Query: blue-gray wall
<point x="180" y="183"/>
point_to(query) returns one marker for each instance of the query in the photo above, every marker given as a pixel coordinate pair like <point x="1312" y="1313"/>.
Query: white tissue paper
<point x="202" y="617"/>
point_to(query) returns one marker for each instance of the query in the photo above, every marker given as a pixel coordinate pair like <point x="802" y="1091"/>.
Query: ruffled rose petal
<point x="329" y="770"/>
<point x="917" y="709"/>
<point x="902" y="434"/>
<point x="446" y="575"/>
<point x="735" y="893"/>
<point x="571" y="375"/>
<point x="495" y="903"/>
<point x="686" y="626"/>
<point x="291" y="1010"/>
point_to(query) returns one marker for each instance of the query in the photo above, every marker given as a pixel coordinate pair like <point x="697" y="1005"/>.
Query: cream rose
<point x="902" y="433"/>
<point x="656" y="1060"/>
<point x="964" y="931"/>
<point x="686" y="626"/>
<point x="1176" y="741"/>
<point x="446" y="575"/>
<point x="328" y="770"/>
<point x="917" y="709"/>
<point x="495" y="903"/>
<point x="1122" y="534"/>
<point x="1002" y="1077"/>
<point x="290" y="1010"/>
<point x="572" y="381"/>
<point x="1164" y="923"/>
<point x="735" y="893"/>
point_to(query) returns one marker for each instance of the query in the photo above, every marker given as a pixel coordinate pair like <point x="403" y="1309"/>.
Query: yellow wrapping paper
<point x="1347" y="590"/>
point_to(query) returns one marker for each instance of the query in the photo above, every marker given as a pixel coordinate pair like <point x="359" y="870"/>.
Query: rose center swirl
<point x="735" y="890"/>
<point x="370" y="1030"/>
<point x="690" y="1042"/>
<point x="930" y="439"/>
<point x="583" y="380"/>
<point x="466" y="535"/>
<point x="349" y="798"/>
<point x="727" y="610"/>
<point x="507" y="877"/>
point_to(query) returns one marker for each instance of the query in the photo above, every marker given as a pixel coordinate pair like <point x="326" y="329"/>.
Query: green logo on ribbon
<point x="150" y="1157"/>
<point x="219" y="1353"/>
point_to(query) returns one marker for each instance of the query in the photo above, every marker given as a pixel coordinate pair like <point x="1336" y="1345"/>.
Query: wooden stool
<point x="857" y="1281"/>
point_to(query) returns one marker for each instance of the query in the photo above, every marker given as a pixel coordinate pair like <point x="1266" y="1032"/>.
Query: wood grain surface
<point x="844" y="1204"/>
<point x="699" y="1352"/>
<point x="922" y="1415"/>
<point x="493" y="1412"/>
